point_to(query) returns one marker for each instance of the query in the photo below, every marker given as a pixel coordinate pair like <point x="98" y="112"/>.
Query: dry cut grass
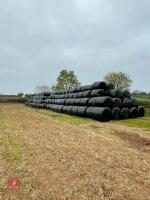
<point x="57" y="159"/>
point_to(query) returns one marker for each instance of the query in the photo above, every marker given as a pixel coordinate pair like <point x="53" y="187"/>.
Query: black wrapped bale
<point x="127" y="103"/>
<point x="63" y="101"/>
<point x="46" y="101"/>
<point x="86" y="94"/>
<point x="55" y="108"/>
<point x="67" y="102"/>
<point x="126" y="94"/>
<point x="117" y="102"/>
<point x="109" y="86"/>
<point x="124" y="113"/>
<point x="52" y="107"/>
<point x="116" y="113"/>
<point x="85" y="88"/>
<point x="52" y="96"/>
<point x="45" y="94"/>
<point x="100" y="113"/>
<point x="81" y="111"/>
<point x="75" y="95"/>
<point x="133" y="112"/>
<point x="101" y="101"/>
<point x="64" y="109"/>
<point x="57" y="101"/>
<point x="57" y="96"/>
<point x="66" y="96"/>
<point x="52" y="101"/>
<point x="80" y="94"/>
<point x="67" y="109"/>
<point x="62" y="96"/>
<point x="71" y="102"/>
<point x="71" y="95"/>
<point x="141" y="111"/>
<point x="83" y="102"/>
<point x="60" y="108"/>
<point x="97" y="93"/>
<point x="77" y="102"/>
<point x="49" y="106"/>
<point x="74" y="110"/>
<point x="114" y="93"/>
<point x="99" y="85"/>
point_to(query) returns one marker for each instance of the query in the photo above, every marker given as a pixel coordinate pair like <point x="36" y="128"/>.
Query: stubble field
<point x="71" y="159"/>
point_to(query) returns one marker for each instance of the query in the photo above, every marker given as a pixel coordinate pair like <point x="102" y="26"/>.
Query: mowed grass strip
<point x="11" y="150"/>
<point x="64" y="117"/>
<point x="138" y="122"/>
<point x="142" y="122"/>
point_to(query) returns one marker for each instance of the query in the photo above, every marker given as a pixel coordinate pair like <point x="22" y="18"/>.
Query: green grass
<point x="10" y="149"/>
<point x="64" y="117"/>
<point x="142" y="122"/>
<point x="13" y="151"/>
<point x="13" y="100"/>
<point x="143" y="99"/>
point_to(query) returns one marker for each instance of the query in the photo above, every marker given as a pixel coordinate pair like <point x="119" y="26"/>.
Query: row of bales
<point x="98" y="100"/>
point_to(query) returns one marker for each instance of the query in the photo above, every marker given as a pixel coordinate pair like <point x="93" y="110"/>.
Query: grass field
<point x="64" y="157"/>
<point x="142" y="122"/>
<point x="143" y="99"/>
<point x="12" y="99"/>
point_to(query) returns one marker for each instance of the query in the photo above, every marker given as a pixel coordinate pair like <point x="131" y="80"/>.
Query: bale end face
<point x="141" y="111"/>
<point x="133" y="112"/>
<point x="115" y="113"/>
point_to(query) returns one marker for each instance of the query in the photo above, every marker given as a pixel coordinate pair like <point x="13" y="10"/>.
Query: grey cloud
<point x="92" y="37"/>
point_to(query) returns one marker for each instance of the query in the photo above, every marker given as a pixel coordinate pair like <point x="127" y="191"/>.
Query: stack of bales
<point x="37" y="100"/>
<point x="99" y="100"/>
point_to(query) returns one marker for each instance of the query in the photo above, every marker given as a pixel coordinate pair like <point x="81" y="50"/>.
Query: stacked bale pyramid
<point x="99" y="100"/>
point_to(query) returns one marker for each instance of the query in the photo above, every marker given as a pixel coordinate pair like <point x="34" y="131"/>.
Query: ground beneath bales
<point x="56" y="159"/>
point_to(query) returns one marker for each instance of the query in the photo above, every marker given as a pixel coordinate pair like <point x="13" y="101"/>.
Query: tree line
<point x="67" y="79"/>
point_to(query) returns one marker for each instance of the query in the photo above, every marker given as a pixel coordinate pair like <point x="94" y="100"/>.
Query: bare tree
<point x="120" y="80"/>
<point x="66" y="80"/>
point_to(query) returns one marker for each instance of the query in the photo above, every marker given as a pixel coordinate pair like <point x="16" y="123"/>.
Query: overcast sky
<point x="92" y="37"/>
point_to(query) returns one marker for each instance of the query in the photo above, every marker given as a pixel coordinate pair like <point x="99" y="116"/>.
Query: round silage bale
<point x="109" y="86"/>
<point x="99" y="85"/>
<point x="100" y="113"/>
<point x="81" y="111"/>
<point x="114" y="93"/>
<point x="101" y="101"/>
<point x="141" y="111"/>
<point x="133" y="112"/>
<point x="116" y="113"/>
<point x="127" y="103"/>
<point x="97" y="93"/>
<point x="86" y="94"/>
<point x="117" y="102"/>
<point x="124" y="113"/>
